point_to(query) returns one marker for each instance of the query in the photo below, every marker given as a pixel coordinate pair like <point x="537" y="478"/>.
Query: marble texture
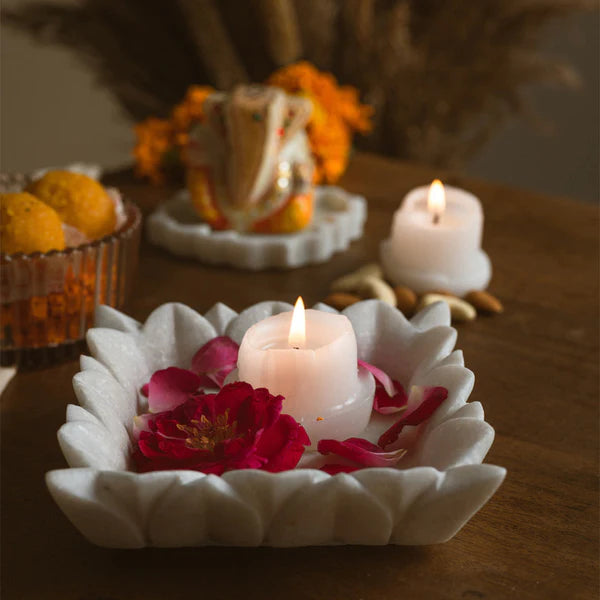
<point x="338" y="219"/>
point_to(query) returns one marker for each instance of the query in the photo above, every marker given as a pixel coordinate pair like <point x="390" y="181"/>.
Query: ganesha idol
<point x="249" y="166"/>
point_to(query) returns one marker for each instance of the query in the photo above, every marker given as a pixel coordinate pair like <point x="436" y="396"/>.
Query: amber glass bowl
<point x="48" y="300"/>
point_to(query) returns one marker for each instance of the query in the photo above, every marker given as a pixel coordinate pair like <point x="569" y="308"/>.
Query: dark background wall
<point x="562" y="160"/>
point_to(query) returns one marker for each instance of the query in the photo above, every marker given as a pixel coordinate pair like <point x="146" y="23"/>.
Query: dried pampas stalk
<point x="317" y="21"/>
<point x="281" y="28"/>
<point x="357" y="25"/>
<point x="396" y="56"/>
<point x="213" y="43"/>
<point x="441" y="74"/>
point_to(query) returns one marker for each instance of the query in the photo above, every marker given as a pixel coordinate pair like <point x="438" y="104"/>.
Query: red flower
<point x="237" y="428"/>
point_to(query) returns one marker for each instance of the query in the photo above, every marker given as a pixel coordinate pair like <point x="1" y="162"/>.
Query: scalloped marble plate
<point x="338" y="219"/>
<point x="441" y="483"/>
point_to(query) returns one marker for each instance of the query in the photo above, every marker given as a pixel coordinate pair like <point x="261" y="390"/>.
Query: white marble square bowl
<point x="439" y="486"/>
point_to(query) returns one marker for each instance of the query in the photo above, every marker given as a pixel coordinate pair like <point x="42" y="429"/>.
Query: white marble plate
<point x="338" y="219"/>
<point x="439" y="486"/>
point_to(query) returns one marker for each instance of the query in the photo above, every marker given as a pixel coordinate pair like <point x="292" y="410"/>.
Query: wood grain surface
<point x="536" y="370"/>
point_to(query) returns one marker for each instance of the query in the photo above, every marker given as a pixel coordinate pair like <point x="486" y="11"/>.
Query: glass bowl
<point x="48" y="300"/>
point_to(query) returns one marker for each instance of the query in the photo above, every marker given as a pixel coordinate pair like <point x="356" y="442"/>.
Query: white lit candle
<point x="435" y="241"/>
<point x="310" y="358"/>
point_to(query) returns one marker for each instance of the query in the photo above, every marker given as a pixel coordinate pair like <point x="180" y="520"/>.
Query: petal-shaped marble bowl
<point x="338" y="219"/>
<point x="440" y="485"/>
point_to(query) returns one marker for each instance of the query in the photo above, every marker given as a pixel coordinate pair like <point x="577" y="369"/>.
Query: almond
<point x="341" y="300"/>
<point x="407" y="299"/>
<point x="484" y="302"/>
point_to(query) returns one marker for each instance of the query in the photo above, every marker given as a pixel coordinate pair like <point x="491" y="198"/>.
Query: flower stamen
<point x="205" y="434"/>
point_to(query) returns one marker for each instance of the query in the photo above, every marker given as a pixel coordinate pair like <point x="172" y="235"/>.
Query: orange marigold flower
<point x="159" y="140"/>
<point x="154" y="140"/>
<point x="337" y="113"/>
<point x="330" y="145"/>
<point x="190" y="109"/>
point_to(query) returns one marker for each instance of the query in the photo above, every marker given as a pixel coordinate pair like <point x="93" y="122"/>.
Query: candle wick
<point x="436" y="218"/>
<point x="296" y="347"/>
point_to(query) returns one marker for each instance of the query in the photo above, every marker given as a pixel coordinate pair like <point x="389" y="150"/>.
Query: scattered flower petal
<point x="380" y="376"/>
<point x="361" y="451"/>
<point x="215" y="360"/>
<point x="171" y="387"/>
<point x="417" y="413"/>
<point x="385" y="404"/>
<point x="390" y="396"/>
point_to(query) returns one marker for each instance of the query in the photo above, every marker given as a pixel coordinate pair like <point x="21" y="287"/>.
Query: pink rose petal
<point x="432" y="398"/>
<point x="380" y="376"/>
<point x="361" y="451"/>
<point x="171" y="387"/>
<point x="387" y="405"/>
<point x="216" y="359"/>
<point x="390" y="396"/>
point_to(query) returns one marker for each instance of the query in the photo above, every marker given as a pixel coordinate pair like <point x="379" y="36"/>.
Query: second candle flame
<point x="297" y="336"/>
<point x="436" y="200"/>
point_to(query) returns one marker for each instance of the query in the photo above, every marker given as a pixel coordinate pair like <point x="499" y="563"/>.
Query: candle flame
<point x="297" y="336"/>
<point x="436" y="200"/>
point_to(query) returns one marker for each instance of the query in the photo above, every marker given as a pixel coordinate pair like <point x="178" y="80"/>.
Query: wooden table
<point x="537" y="377"/>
